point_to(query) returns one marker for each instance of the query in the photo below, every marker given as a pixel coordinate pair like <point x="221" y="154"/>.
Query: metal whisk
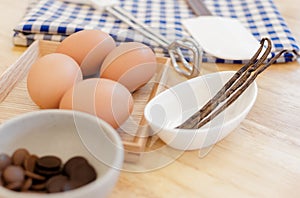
<point x="189" y="69"/>
<point x="175" y="48"/>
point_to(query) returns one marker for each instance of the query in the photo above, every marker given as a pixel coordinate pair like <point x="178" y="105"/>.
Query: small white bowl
<point x="66" y="134"/>
<point x="172" y="107"/>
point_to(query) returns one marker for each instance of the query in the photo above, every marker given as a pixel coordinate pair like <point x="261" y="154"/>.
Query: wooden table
<point x="261" y="158"/>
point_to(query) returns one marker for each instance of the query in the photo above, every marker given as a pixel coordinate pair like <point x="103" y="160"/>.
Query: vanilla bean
<point x="240" y="91"/>
<point x="225" y="90"/>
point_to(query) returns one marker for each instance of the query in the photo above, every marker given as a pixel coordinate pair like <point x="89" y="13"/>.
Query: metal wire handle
<point x="187" y="68"/>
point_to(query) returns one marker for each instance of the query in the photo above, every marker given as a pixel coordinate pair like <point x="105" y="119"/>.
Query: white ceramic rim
<point x="204" y="129"/>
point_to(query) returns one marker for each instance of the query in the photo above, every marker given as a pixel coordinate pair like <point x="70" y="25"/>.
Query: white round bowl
<point x="172" y="107"/>
<point x="66" y="134"/>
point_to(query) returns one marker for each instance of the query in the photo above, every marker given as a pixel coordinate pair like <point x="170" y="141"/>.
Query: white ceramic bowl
<point x="172" y="107"/>
<point x="66" y="134"/>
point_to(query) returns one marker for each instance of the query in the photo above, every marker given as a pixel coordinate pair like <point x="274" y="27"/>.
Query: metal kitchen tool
<point x="189" y="69"/>
<point x="221" y="37"/>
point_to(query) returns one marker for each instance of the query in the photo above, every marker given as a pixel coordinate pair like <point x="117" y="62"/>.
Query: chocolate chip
<point x="47" y="173"/>
<point x="48" y="163"/>
<point x="27" y="184"/>
<point x="48" y="166"/>
<point x="4" y="161"/>
<point x="12" y="174"/>
<point x="19" y="156"/>
<point x="70" y="185"/>
<point x="72" y="162"/>
<point x="34" y="176"/>
<point x="28" y="173"/>
<point x="14" y="185"/>
<point x="1" y="180"/>
<point x="40" y="186"/>
<point x="56" y="183"/>
<point x="29" y="163"/>
<point x="83" y="173"/>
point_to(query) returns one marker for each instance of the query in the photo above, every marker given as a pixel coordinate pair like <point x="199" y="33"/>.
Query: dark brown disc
<point x="73" y="162"/>
<point x="19" y="156"/>
<point x="34" y="176"/>
<point x="39" y="187"/>
<point x="29" y="163"/>
<point x="1" y="180"/>
<point x="56" y="183"/>
<point x="27" y="184"/>
<point x="14" y="185"/>
<point x="13" y="174"/>
<point x="70" y="185"/>
<point x="48" y="163"/>
<point x="83" y="173"/>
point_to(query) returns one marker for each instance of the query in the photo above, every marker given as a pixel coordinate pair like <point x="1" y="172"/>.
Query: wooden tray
<point x="134" y="132"/>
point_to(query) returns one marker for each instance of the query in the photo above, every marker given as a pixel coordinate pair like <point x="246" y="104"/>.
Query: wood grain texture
<point x="261" y="158"/>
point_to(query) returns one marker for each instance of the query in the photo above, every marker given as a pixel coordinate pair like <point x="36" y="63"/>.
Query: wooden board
<point x="134" y="132"/>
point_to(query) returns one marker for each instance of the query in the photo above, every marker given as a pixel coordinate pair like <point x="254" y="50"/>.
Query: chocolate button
<point x="27" y="184"/>
<point x="19" y="156"/>
<point x="56" y="183"/>
<point x="12" y="174"/>
<point x="14" y="185"/>
<point x="29" y="163"/>
<point x="83" y="173"/>
<point x="48" y="166"/>
<point x="73" y="162"/>
<point x="4" y="161"/>
<point x="1" y="180"/>
<point x="34" y="176"/>
<point x="24" y="172"/>
<point x="70" y="185"/>
<point x="48" y="163"/>
<point x="39" y="187"/>
<point x="47" y="173"/>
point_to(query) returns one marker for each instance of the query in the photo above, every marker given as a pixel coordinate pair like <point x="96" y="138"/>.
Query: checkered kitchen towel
<point x="54" y="20"/>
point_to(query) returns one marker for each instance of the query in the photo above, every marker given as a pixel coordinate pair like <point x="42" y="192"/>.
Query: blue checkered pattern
<point x="54" y="20"/>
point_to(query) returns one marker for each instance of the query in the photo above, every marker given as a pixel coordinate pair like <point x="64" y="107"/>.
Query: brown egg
<point x="50" y="77"/>
<point x="132" y="64"/>
<point x="107" y="99"/>
<point x="88" y="48"/>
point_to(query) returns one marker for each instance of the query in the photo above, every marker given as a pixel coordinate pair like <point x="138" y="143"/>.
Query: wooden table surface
<point x="261" y="158"/>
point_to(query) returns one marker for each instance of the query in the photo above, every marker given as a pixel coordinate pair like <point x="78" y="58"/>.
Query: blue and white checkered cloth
<point x="54" y="20"/>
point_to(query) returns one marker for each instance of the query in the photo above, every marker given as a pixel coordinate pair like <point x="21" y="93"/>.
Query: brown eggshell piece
<point x="131" y="64"/>
<point x="50" y="77"/>
<point x="88" y="48"/>
<point x="107" y="99"/>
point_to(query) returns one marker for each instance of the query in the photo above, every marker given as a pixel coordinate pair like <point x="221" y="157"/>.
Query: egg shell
<point x="88" y="48"/>
<point x="132" y="64"/>
<point x="107" y="99"/>
<point x="50" y="77"/>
